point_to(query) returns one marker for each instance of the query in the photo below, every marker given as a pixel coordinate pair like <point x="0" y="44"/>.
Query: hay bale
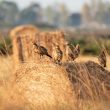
<point x="90" y="80"/>
<point x="44" y="85"/>
<point x="22" y="38"/>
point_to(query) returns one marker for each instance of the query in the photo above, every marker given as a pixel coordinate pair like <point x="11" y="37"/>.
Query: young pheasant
<point x="102" y="58"/>
<point x="76" y="51"/>
<point x="69" y="52"/>
<point x="57" y="54"/>
<point x="72" y="52"/>
<point x="41" y="50"/>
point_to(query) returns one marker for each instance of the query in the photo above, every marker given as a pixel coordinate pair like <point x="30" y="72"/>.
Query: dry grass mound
<point x="22" y="38"/>
<point x="40" y="86"/>
<point x="90" y="80"/>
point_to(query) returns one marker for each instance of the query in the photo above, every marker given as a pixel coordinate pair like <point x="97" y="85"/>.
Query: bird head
<point x="76" y="51"/>
<point x="66" y="43"/>
<point x="35" y="44"/>
<point x="78" y="48"/>
<point x="55" y="45"/>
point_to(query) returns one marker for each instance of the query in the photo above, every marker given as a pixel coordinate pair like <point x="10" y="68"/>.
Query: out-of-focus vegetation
<point x="96" y="14"/>
<point x="90" y="44"/>
<point x="5" y="46"/>
<point x="86" y="48"/>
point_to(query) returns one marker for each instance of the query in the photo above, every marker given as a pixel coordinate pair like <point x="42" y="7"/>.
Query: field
<point x="28" y="82"/>
<point x="6" y="72"/>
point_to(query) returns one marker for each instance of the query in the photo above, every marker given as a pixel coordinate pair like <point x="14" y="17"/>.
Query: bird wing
<point x="103" y="55"/>
<point x="72" y="47"/>
<point x="77" y="48"/>
<point x="102" y="58"/>
<point x="43" y="49"/>
<point x="70" y="53"/>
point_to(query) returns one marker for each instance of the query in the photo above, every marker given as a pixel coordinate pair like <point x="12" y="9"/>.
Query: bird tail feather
<point x="49" y="55"/>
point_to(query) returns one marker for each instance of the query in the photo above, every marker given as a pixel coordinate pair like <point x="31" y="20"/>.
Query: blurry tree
<point x="107" y="13"/>
<point x="75" y="19"/>
<point x="100" y="11"/>
<point x="86" y="14"/>
<point x="57" y="14"/>
<point x="93" y="8"/>
<point x="52" y="15"/>
<point x="8" y="13"/>
<point x="31" y="14"/>
<point x="49" y="14"/>
<point x="64" y="14"/>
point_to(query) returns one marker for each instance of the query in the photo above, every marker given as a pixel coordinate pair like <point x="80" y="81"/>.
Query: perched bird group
<point x="72" y="52"/>
<point x="57" y="54"/>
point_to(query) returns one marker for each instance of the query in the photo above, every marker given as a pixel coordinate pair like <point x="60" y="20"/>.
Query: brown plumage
<point x="57" y="54"/>
<point x="76" y="51"/>
<point x="72" y="52"/>
<point x="41" y="50"/>
<point x="102" y="58"/>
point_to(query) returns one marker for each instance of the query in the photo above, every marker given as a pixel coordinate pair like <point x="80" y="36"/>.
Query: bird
<point x="72" y="52"/>
<point x="57" y="54"/>
<point x="76" y="51"/>
<point x="41" y="50"/>
<point x="102" y="58"/>
<point x="69" y="52"/>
